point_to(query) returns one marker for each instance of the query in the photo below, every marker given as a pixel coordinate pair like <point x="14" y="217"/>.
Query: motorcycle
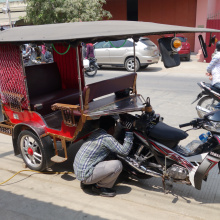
<point x="208" y="99"/>
<point x="92" y="68"/>
<point x="156" y="151"/>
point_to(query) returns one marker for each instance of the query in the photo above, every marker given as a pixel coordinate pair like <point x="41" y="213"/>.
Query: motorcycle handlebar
<point x="185" y="125"/>
<point x="192" y="123"/>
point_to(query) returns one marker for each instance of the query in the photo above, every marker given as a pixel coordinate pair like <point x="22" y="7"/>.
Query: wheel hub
<point x="30" y="151"/>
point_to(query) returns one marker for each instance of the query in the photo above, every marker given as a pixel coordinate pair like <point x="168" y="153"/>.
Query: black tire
<point x="92" y="72"/>
<point x="145" y="66"/>
<point x="188" y="57"/>
<point x="208" y="103"/>
<point x="129" y="64"/>
<point x="35" y="156"/>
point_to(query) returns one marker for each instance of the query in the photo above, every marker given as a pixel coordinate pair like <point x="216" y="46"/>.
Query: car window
<point x="147" y="42"/>
<point x="102" y="44"/>
<point x="128" y="43"/>
<point x="183" y="39"/>
<point x="121" y="43"/>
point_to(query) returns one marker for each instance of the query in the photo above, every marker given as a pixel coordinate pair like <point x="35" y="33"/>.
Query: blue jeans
<point x="216" y="88"/>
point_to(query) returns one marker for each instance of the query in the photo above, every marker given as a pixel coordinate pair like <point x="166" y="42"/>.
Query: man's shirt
<point x="214" y="68"/>
<point x="96" y="149"/>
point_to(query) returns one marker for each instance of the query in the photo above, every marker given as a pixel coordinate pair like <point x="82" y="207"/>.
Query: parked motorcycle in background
<point x="208" y="99"/>
<point x="156" y="151"/>
<point x="90" y="66"/>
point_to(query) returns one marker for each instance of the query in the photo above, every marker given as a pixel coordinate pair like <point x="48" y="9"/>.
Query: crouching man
<point x="90" y="164"/>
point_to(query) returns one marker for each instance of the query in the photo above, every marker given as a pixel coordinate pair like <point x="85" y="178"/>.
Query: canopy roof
<point x="91" y="31"/>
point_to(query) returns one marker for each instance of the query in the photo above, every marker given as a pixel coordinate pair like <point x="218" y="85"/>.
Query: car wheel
<point x="145" y="66"/>
<point x="129" y="64"/>
<point x="35" y="156"/>
<point x="188" y="57"/>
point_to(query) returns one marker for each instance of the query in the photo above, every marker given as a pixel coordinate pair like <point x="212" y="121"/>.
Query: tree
<point x="62" y="11"/>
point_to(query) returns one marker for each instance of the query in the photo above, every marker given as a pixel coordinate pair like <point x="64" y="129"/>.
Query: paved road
<point x="42" y="196"/>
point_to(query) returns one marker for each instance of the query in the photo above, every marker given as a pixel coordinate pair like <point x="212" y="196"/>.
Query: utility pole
<point x="6" y="10"/>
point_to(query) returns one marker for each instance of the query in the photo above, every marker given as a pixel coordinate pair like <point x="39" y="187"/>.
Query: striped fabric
<point x="96" y="149"/>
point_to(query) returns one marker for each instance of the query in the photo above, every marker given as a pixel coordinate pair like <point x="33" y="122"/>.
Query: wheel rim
<point x="208" y="104"/>
<point x="130" y="65"/>
<point x="31" y="151"/>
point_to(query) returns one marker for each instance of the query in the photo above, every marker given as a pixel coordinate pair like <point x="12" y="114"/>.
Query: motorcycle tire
<point x="92" y="72"/>
<point x="208" y="103"/>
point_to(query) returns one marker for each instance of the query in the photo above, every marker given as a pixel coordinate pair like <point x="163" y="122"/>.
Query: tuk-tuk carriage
<point x="47" y="104"/>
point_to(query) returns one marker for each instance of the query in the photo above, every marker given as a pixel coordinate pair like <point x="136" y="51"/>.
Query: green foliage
<point x="62" y="11"/>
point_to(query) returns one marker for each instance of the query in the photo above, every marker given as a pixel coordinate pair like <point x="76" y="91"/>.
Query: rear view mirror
<point x="170" y="56"/>
<point x="203" y="46"/>
<point x="213" y="40"/>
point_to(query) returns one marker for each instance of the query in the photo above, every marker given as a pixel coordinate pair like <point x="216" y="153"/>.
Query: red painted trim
<point x="37" y="120"/>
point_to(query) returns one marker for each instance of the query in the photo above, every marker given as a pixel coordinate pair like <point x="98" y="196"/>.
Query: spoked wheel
<point x="129" y="64"/>
<point x="208" y="103"/>
<point x="35" y="156"/>
<point x="92" y="71"/>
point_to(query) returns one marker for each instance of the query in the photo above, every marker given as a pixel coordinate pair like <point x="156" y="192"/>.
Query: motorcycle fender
<point x="199" y="96"/>
<point x="207" y="164"/>
<point x="198" y="158"/>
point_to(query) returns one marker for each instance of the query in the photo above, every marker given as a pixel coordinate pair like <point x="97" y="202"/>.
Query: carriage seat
<point x="105" y="87"/>
<point x="45" y="88"/>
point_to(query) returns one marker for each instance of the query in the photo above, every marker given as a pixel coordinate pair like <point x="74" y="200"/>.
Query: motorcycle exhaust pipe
<point x="140" y="169"/>
<point x="199" y="108"/>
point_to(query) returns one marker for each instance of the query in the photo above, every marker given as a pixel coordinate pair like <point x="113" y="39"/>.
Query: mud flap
<point x="49" y="150"/>
<point x="198" y="97"/>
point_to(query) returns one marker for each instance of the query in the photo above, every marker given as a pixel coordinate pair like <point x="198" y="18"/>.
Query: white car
<point x="120" y="53"/>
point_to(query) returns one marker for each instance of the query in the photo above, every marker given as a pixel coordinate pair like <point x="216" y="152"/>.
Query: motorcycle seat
<point x="167" y="135"/>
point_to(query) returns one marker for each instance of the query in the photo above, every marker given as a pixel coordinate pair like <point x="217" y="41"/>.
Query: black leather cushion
<point x="67" y="96"/>
<point x="167" y="135"/>
<point x="45" y="88"/>
<point x="166" y="132"/>
<point x="108" y="86"/>
<point x="43" y="79"/>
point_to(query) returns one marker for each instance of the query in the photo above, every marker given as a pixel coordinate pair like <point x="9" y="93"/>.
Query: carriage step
<point x="58" y="159"/>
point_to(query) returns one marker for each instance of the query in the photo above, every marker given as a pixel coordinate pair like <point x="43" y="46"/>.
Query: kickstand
<point x="164" y="185"/>
<point x="167" y="182"/>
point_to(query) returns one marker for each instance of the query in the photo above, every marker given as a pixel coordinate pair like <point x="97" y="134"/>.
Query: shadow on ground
<point x="35" y="209"/>
<point x="148" y="69"/>
<point x="208" y="193"/>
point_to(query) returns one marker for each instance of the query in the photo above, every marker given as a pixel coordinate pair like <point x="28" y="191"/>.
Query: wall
<point x="217" y="6"/>
<point x="118" y="9"/>
<point x="169" y="12"/>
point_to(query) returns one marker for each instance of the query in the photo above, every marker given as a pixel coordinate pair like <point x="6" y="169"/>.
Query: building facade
<point x="192" y="13"/>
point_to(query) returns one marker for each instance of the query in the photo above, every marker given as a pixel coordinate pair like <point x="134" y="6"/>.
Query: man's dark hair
<point x="106" y="122"/>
